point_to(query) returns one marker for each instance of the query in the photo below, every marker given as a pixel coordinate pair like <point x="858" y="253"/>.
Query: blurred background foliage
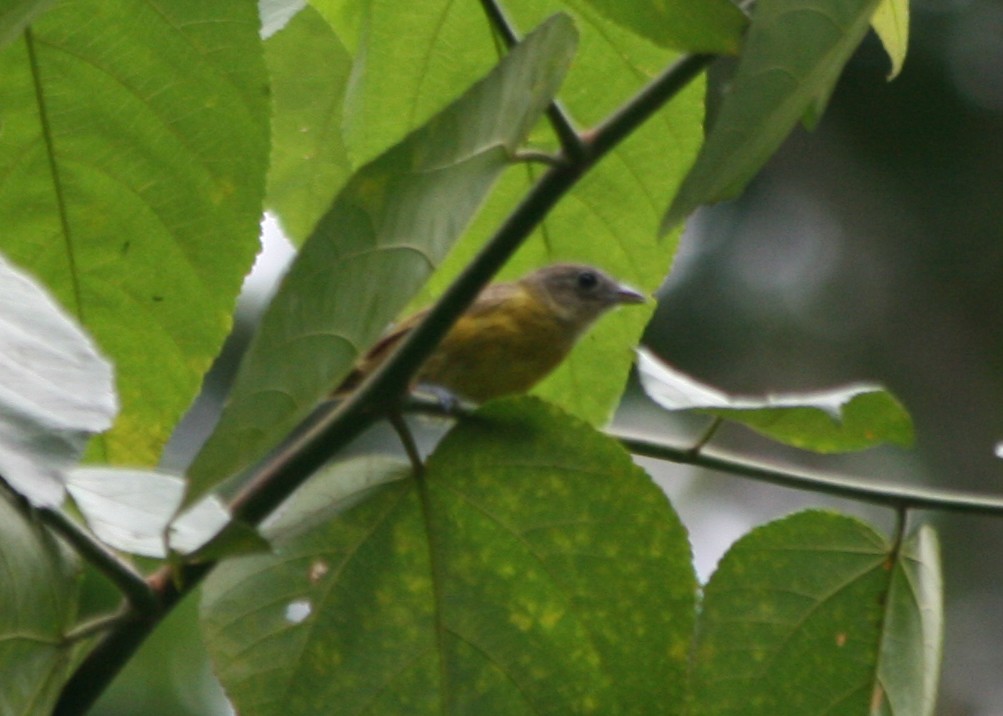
<point x="868" y="249"/>
<point x="871" y="249"/>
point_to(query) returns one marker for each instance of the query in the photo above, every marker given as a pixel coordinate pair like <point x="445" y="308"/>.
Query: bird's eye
<point x="587" y="280"/>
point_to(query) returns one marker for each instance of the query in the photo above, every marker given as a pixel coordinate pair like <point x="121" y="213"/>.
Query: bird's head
<point x="580" y="293"/>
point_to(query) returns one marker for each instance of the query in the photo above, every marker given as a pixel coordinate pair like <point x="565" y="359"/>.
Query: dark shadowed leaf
<point x="383" y="236"/>
<point x="535" y="570"/>
<point x="39" y="588"/>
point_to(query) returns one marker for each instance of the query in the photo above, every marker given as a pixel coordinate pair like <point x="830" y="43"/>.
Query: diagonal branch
<point x="128" y="581"/>
<point x="561" y="122"/>
<point x="332" y="426"/>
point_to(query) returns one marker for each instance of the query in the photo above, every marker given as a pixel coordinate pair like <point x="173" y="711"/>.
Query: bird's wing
<point x="488" y="301"/>
<point x="379" y="351"/>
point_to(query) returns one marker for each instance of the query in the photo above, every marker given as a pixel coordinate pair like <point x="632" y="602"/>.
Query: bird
<point x="510" y="338"/>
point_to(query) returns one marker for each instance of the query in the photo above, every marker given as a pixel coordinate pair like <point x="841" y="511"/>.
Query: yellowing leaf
<point x="534" y="569"/>
<point x="891" y="22"/>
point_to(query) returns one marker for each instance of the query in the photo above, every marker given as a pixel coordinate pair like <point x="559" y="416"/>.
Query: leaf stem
<point x="560" y="121"/>
<point x="901" y="499"/>
<point x="707" y="436"/>
<point x="398" y="423"/>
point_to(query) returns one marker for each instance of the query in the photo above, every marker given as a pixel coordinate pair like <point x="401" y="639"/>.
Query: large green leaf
<point x="791" y="58"/>
<point x="309" y="159"/>
<point x="535" y="569"/>
<point x="39" y="583"/>
<point x="611" y="218"/>
<point x="385" y="233"/>
<point x="704" y="26"/>
<point x="818" y="614"/>
<point x="132" y="163"/>
<point x="843" y="419"/>
<point x="400" y="75"/>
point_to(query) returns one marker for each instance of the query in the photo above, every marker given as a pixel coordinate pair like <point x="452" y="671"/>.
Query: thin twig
<point x="897" y="497"/>
<point x="707" y="436"/>
<point x="894" y="496"/>
<point x="560" y="121"/>
<point x="118" y="572"/>
<point x="399" y="425"/>
<point x="615" y="128"/>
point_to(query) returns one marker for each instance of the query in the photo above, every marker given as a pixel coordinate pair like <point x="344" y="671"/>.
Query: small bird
<point x="512" y="335"/>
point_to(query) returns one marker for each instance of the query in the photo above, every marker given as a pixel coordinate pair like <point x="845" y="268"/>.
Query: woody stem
<point x="331" y="428"/>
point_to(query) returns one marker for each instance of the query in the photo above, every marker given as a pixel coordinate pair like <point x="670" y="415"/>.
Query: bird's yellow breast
<point x="499" y="348"/>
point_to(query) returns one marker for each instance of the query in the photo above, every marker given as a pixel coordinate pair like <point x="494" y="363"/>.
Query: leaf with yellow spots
<point x="819" y="614"/>
<point x="535" y="569"/>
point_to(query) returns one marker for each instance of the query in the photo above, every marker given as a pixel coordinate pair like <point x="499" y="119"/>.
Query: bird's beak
<point x="625" y="294"/>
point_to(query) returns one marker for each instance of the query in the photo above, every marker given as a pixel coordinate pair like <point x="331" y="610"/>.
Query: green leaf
<point x="793" y="618"/>
<point x="132" y="157"/>
<point x="891" y="23"/>
<point x="16" y="15"/>
<point x="853" y="417"/>
<point x="136" y="510"/>
<point x="713" y="26"/>
<point x="346" y="18"/>
<point x="385" y="233"/>
<point x="535" y="569"/>
<point x="912" y="640"/>
<point x="56" y="390"/>
<point x="236" y="538"/>
<point x="309" y="159"/>
<point x="618" y="235"/>
<point x="399" y="76"/>
<point x="40" y="586"/>
<point x="792" y="56"/>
